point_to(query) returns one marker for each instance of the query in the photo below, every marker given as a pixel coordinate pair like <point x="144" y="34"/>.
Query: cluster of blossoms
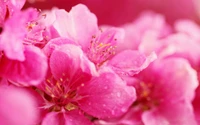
<point x="61" y="68"/>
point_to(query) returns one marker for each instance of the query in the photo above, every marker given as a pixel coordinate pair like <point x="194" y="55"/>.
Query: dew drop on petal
<point x="124" y="110"/>
<point x="113" y="112"/>
<point x="118" y="94"/>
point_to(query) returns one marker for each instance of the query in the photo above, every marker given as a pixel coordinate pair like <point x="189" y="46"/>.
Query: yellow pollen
<point x="48" y="80"/>
<point x="70" y="107"/>
<point x="58" y="85"/>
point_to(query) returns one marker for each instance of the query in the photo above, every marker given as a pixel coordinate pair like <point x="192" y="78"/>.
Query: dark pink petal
<point x="66" y="118"/>
<point x="69" y="62"/>
<point x="130" y="62"/>
<point x="176" y="113"/>
<point x="196" y="103"/>
<point x="79" y="24"/>
<point x="29" y="72"/>
<point x="18" y="106"/>
<point x="2" y="12"/>
<point x="106" y="96"/>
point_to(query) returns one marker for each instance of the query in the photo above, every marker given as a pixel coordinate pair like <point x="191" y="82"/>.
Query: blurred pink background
<point x="117" y="12"/>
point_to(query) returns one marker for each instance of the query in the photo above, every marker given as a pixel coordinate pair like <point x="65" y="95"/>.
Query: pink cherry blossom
<point x="73" y="84"/>
<point x="16" y="35"/>
<point x="165" y="91"/>
<point x="99" y="46"/>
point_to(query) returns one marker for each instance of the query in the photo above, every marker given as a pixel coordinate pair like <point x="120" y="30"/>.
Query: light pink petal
<point x="8" y="7"/>
<point x="56" y="43"/>
<point x="188" y="27"/>
<point x="67" y="118"/>
<point x="112" y="35"/>
<point x="176" y="113"/>
<point x="18" y="3"/>
<point x="69" y="62"/>
<point x="106" y="96"/>
<point x="136" y="31"/>
<point x="29" y="72"/>
<point x="179" y="45"/>
<point x="130" y="62"/>
<point x="132" y="117"/>
<point x="79" y="24"/>
<point x="17" y="107"/>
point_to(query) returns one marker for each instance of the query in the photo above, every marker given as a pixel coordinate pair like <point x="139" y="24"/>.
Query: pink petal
<point x="106" y="96"/>
<point x="176" y="113"/>
<point x="188" y="27"/>
<point x="180" y="85"/>
<point x="67" y="118"/>
<point x="2" y="12"/>
<point x="69" y="61"/>
<point x="18" y="3"/>
<point x="79" y="24"/>
<point x="132" y="117"/>
<point x="29" y="72"/>
<point x="135" y="62"/>
<point x="179" y="45"/>
<point x="17" y="107"/>
<point x="55" y="43"/>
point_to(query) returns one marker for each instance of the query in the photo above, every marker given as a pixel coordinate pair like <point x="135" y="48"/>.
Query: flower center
<point x="145" y="100"/>
<point x="36" y="33"/>
<point x="101" y="48"/>
<point x="60" y="95"/>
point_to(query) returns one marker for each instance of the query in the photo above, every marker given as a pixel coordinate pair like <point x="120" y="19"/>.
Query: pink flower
<point x="8" y="7"/>
<point x="18" y="106"/>
<point x="185" y="44"/>
<point x="165" y="91"/>
<point x="16" y="36"/>
<point x="147" y="27"/>
<point x="19" y="49"/>
<point x="73" y="87"/>
<point x="182" y="43"/>
<point x="80" y="25"/>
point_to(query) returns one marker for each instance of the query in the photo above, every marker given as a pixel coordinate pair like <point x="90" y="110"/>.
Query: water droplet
<point x="113" y="112"/>
<point x="106" y="87"/>
<point x="118" y="94"/>
<point x="104" y="105"/>
<point x="89" y="103"/>
<point x="123" y="109"/>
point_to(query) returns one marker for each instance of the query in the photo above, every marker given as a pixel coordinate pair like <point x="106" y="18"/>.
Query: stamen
<point x="70" y="107"/>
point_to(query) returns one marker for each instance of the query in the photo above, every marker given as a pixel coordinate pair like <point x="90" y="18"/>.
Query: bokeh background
<point x="118" y="12"/>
